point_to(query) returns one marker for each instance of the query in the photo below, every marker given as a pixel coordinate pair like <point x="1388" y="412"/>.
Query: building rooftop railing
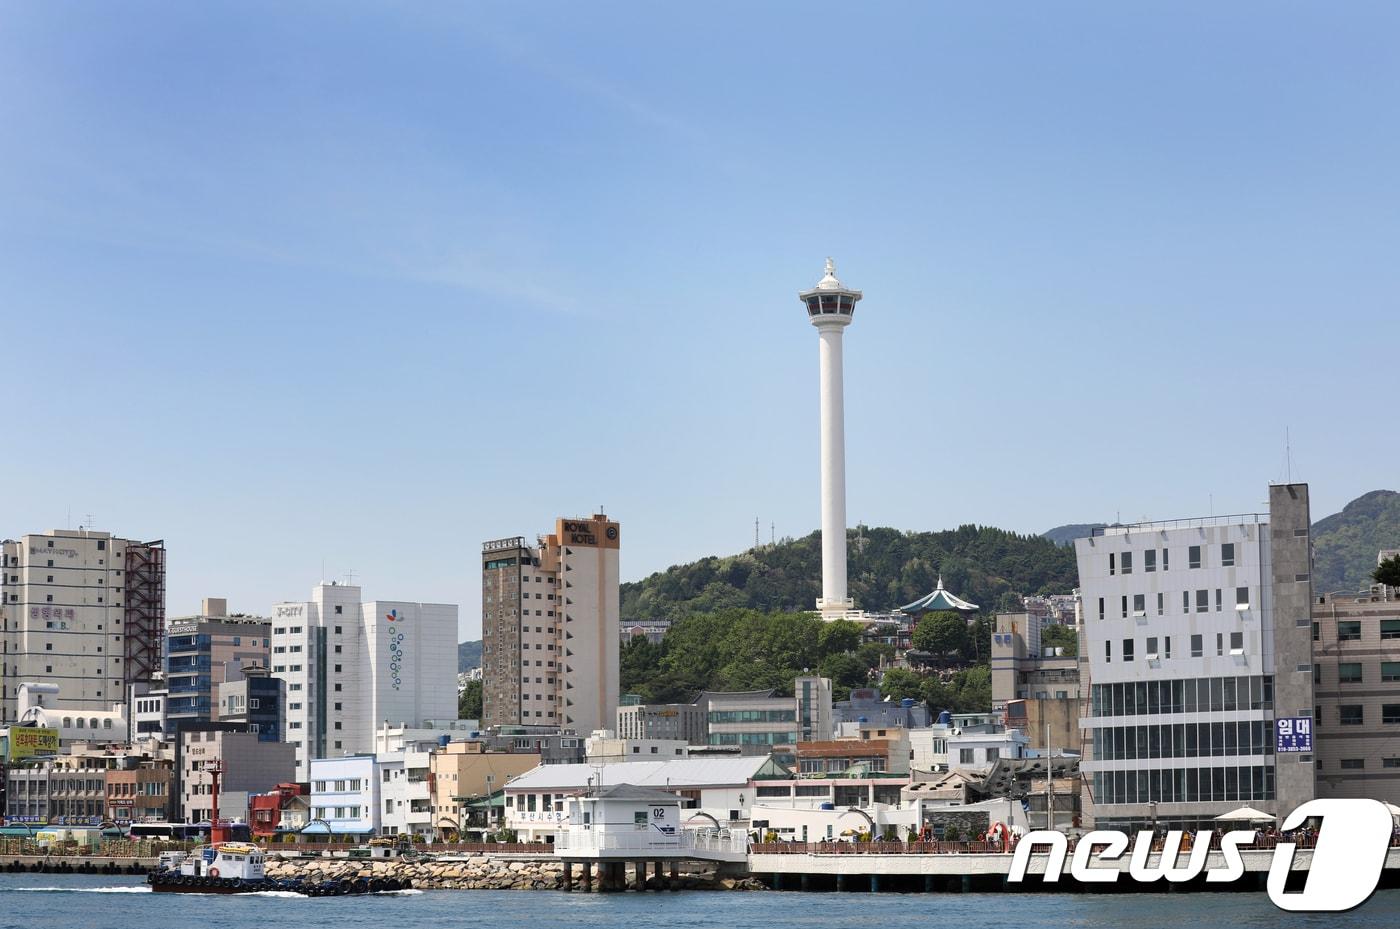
<point x="1195" y="522"/>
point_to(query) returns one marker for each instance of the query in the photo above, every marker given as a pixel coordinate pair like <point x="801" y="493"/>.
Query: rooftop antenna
<point x="350" y="577"/>
<point x="755" y="533"/>
<point x="773" y="533"/>
<point x="1288" y="455"/>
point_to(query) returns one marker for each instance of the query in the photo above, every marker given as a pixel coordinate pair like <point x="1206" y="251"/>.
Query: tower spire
<point x="830" y="308"/>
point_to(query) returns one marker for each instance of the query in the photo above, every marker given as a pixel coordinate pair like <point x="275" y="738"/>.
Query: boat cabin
<point x="229" y="859"/>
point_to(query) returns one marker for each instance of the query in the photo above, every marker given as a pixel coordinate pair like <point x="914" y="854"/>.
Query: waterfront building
<point x="141" y="792"/>
<point x="267" y="817"/>
<point x="757" y="722"/>
<point x="258" y="699"/>
<point x="604" y="746"/>
<point x="714" y="791"/>
<point x="249" y="766"/>
<point x="981" y="746"/>
<point x="830" y="308"/>
<point x="550" y="627"/>
<point x="682" y="721"/>
<point x="349" y="666"/>
<point x="345" y="796"/>
<point x="1197" y="642"/>
<point x="202" y="652"/>
<point x="89" y="784"/>
<point x="41" y="704"/>
<point x="858" y="756"/>
<point x="466" y="771"/>
<point x="554" y="745"/>
<point x="1356" y="677"/>
<point x="82" y="610"/>
<point x="1035" y="688"/>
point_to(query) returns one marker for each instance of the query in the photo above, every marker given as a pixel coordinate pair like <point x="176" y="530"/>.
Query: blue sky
<point x="362" y="286"/>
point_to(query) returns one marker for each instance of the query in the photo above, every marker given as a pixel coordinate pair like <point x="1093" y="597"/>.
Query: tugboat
<point x="237" y="868"/>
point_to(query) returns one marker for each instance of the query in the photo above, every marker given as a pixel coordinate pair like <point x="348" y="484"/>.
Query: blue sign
<point x="1294" y="734"/>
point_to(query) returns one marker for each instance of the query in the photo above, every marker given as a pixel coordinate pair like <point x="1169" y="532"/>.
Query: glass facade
<point x="1183" y="695"/>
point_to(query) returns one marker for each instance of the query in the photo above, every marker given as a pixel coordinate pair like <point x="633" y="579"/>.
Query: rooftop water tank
<point x="907" y="702"/>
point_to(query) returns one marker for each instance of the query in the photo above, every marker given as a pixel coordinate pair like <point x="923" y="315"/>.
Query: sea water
<point x="49" y="901"/>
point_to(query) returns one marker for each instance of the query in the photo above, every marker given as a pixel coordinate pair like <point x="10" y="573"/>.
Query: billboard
<point x="28" y="741"/>
<point x="1294" y="734"/>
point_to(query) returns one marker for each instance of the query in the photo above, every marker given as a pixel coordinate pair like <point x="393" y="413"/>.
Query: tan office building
<point x="550" y="627"/>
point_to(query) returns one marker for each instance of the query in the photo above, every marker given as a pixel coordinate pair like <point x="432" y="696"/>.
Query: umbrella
<point x="1245" y="814"/>
<point x="1394" y="810"/>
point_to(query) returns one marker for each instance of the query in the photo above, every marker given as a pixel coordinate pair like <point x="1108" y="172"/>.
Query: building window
<point x="1186" y="601"/>
<point x="1351" y="714"/>
<point x="1139" y="604"/>
<point x="1349" y="672"/>
<point x="1197" y="646"/>
<point x="1202" y="601"/>
<point x="1241" y="598"/>
<point x="1390" y="629"/>
<point x="1227" y="555"/>
<point x="1125" y="606"/>
<point x="1111" y="570"/>
<point x="1317" y="632"/>
<point x="1353" y="764"/>
<point x="965" y="755"/>
<point x="1349" y="631"/>
<point x="1237" y="643"/>
<point x="1127" y="649"/>
<point x="1101" y="608"/>
<point x="1390" y="713"/>
<point x="1161" y="604"/>
<point x="1149" y="560"/>
<point x="1107" y="651"/>
<point x="1390" y="671"/>
<point x="1151" y="648"/>
<point x="1127" y="562"/>
<point x="1193" y="557"/>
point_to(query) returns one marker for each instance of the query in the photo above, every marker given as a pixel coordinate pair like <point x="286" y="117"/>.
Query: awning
<point x="1245" y="814"/>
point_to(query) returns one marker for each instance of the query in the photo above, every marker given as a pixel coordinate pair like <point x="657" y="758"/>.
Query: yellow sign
<point x="28" y="741"/>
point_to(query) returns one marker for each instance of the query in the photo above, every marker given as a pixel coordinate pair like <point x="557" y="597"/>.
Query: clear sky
<point x="363" y="286"/>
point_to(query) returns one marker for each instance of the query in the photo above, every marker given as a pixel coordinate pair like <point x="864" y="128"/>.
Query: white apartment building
<point x="1196" y="638"/>
<point x="351" y="667"/>
<point x="346" y="796"/>
<point x="550" y="627"/>
<point x="82" y="610"/>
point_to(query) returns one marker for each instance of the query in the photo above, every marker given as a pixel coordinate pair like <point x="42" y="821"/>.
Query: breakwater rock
<point x="481" y="872"/>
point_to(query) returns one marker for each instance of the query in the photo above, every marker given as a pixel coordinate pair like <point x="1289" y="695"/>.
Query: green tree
<point x="900" y="683"/>
<point x="942" y="633"/>
<point x="1388" y="572"/>
<point x="469" y="701"/>
<point x="846" y="671"/>
<point x="1057" y="636"/>
<point x="839" y="636"/>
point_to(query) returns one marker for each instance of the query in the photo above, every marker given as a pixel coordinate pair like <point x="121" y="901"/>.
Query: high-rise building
<point x="830" y="307"/>
<point x="1196" y="663"/>
<point x="202" y="652"/>
<point x="83" y="610"/>
<point x="550" y="627"/>
<point x="352" y="666"/>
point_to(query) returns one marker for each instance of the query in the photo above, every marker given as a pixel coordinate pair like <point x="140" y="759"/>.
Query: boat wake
<point x="80" y="890"/>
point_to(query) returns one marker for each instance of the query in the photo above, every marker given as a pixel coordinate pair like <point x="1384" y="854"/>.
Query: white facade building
<point x="603" y="746"/>
<point x="983" y="749"/>
<point x="352" y="666"/>
<point x="1196" y="636"/>
<point x="345" y="795"/>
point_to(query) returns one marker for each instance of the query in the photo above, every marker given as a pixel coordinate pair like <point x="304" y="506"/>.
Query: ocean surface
<point x="48" y="901"/>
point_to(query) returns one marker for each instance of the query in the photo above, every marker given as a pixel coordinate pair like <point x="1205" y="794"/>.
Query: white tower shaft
<point x="833" y="462"/>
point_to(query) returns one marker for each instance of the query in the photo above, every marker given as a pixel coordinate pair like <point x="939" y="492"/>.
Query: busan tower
<point x="831" y="306"/>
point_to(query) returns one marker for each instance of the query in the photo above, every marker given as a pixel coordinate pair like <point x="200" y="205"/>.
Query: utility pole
<point x="1049" y="782"/>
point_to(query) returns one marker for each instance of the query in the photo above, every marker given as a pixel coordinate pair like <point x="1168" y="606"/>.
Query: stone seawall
<point x="482" y="872"/>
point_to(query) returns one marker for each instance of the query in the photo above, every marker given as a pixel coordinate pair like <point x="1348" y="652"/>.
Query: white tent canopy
<point x="1245" y="814"/>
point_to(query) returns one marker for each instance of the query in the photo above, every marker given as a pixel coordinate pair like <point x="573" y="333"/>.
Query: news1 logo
<point x="1347" y="859"/>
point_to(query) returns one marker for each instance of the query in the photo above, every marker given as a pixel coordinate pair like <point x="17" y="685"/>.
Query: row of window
<point x="1185" y="785"/>
<point x="1349" y="630"/>
<point x="1184" y="740"/>
<point x="1202" y="600"/>
<point x="1183" y="695"/>
<point x="1123" y="562"/>
<point x="1152" y="643"/>
<point x="1352" y="672"/>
